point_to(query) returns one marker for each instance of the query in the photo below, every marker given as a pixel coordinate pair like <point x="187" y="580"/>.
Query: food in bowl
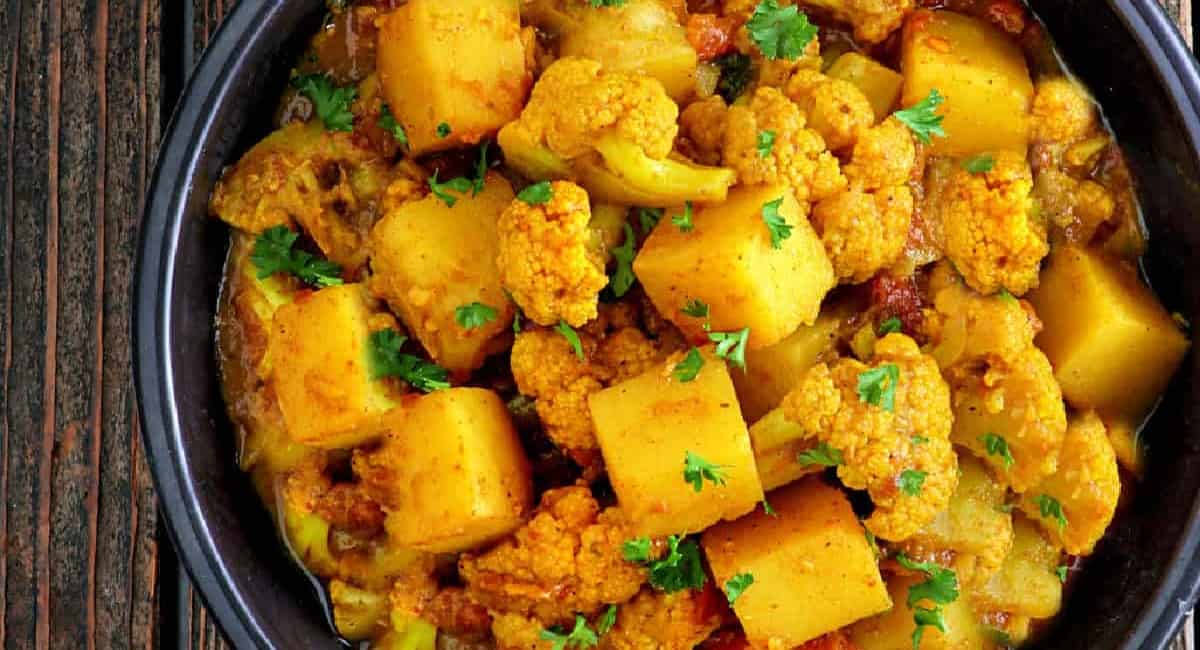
<point x="638" y="324"/>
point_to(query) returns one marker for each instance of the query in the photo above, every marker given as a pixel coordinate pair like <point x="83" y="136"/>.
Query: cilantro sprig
<point x="997" y="446"/>
<point x="461" y="185"/>
<point x="737" y="585"/>
<point x="537" y="194"/>
<point x="684" y="221"/>
<point x="623" y="277"/>
<point x="981" y="164"/>
<point x="331" y="102"/>
<point x="274" y="252"/>
<point x="922" y="117"/>
<point x="679" y="569"/>
<point x="648" y="218"/>
<point x="731" y="346"/>
<point x="777" y="226"/>
<point x="940" y="588"/>
<point x="388" y="361"/>
<point x="765" y="143"/>
<point x="474" y="315"/>
<point x="911" y="481"/>
<point x="571" y="336"/>
<point x="1051" y="508"/>
<point x="736" y="73"/>
<point x="780" y="32"/>
<point x="389" y="123"/>
<point x="696" y="308"/>
<point x="696" y="471"/>
<point x="891" y="326"/>
<point x="688" y="368"/>
<point x="877" y="386"/>
<point x="822" y="455"/>
<point x="581" y="636"/>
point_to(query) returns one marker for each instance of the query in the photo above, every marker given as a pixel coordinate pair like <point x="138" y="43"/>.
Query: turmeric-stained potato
<point x="460" y="63"/>
<point x="1086" y="488"/>
<point x="1027" y="584"/>
<point x="1127" y="444"/>
<point x="452" y="472"/>
<point x="649" y="425"/>
<point x="813" y="568"/>
<point x="778" y="443"/>
<point x="773" y="371"/>
<point x="729" y="262"/>
<point x="320" y="370"/>
<point x="1113" y="345"/>
<point x="894" y="630"/>
<point x="879" y="83"/>
<point x="430" y="259"/>
<point x="982" y="74"/>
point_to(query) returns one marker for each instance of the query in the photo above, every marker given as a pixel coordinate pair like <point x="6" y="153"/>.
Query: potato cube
<point x="646" y="427"/>
<point x="461" y="63"/>
<point x="1112" y="344"/>
<point x="642" y="36"/>
<point x="1087" y="486"/>
<point x="728" y="262"/>
<point x="813" y="568"/>
<point x="429" y="259"/>
<point x="1026" y="584"/>
<point x="879" y="83"/>
<point x="773" y="371"/>
<point x="465" y="486"/>
<point x="1127" y="445"/>
<point x="778" y="442"/>
<point x="320" y="370"/>
<point x="893" y="630"/>
<point x="982" y="74"/>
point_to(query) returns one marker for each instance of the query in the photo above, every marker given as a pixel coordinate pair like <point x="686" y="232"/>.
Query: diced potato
<point x="973" y="528"/>
<point x="1127" y="445"/>
<point x="647" y="425"/>
<point x="778" y="442"/>
<point x="318" y="354"/>
<point x="1087" y="485"/>
<point x="465" y="486"/>
<point x="358" y="614"/>
<point x="879" y="83"/>
<point x="408" y="633"/>
<point x="430" y="259"/>
<point x="461" y="63"/>
<point x="1027" y="584"/>
<point x="1113" y="345"/>
<point x="773" y="371"/>
<point x="308" y="538"/>
<point x="982" y="74"/>
<point x="728" y="262"/>
<point x="894" y="629"/>
<point x="642" y="36"/>
<point x="813" y="569"/>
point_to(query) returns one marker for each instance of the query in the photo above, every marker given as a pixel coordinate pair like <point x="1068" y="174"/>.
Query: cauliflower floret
<point x="703" y="125"/>
<point x="517" y="632"/>
<point x="654" y="620"/>
<point x="575" y="102"/>
<point x="797" y="158"/>
<point x="1062" y="111"/>
<point x="547" y="260"/>
<point x="873" y="20"/>
<point x="566" y="560"/>
<point x="1078" y="207"/>
<point x="836" y="109"/>
<point x="902" y="456"/>
<point x="884" y="155"/>
<point x="346" y="506"/>
<point x="990" y="231"/>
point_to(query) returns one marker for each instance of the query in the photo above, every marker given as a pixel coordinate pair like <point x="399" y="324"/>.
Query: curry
<point x="719" y="324"/>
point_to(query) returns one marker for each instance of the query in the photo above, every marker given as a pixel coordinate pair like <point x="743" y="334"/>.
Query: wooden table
<point x="87" y="88"/>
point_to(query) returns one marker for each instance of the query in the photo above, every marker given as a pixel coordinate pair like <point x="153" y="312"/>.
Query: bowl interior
<point x="1140" y="579"/>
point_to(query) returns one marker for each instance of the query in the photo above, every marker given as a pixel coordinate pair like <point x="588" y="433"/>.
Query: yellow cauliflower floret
<point x="566" y="560"/>
<point x="517" y="632"/>
<point x="798" y="158"/>
<point x="1078" y="207"/>
<point x="654" y="620"/>
<point x="575" y="103"/>
<point x="902" y="456"/>
<point x="703" y="124"/>
<point x="1062" y="111"/>
<point x="990" y="231"/>
<point x="836" y="109"/>
<point x="884" y="155"/>
<point x="873" y="20"/>
<point x="547" y="260"/>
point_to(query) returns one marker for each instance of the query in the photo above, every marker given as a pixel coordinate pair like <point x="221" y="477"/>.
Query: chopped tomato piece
<point x="711" y="35"/>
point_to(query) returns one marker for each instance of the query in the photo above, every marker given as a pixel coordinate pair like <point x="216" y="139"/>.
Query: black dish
<point x="1143" y="578"/>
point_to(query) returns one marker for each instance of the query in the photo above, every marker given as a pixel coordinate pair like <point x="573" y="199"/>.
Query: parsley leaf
<point x="648" y="218"/>
<point x="779" y="228"/>
<point x="997" y="446"/>
<point x="1048" y="506"/>
<point x="607" y="3"/>
<point x="443" y="130"/>
<point x="919" y="440"/>
<point x="684" y="221"/>
<point x="735" y="586"/>
<point x="623" y="278"/>
<point x="481" y="169"/>
<point x="1061" y="572"/>
<point x="766" y="142"/>
<point x="923" y="119"/>
<point x="696" y="309"/>
<point x="877" y="386"/>
<point x="687" y="369"/>
<point x="890" y="326"/>
<point x="767" y="509"/>
<point x="735" y="76"/>
<point x="1006" y="296"/>
<point x="388" y="361"/>
<point x="911" y="481"/>
<point x="442" y="190"/>
<point x="696" y="471"/>
<point x="781" y="33"/>
<point x="474" y="315"/>
<point x="636" y="550"/>
<point x="926" y="617"/>
<point x="274" y="253"/>
<point x="538" y="193"/>
<point x="731" y="346"/>
<point x="571" y="336"/>
<point x="388" y="123"/>
<point x="607" y="621"/>
<point x="940" y="587"/>
<point x="980" y="164"/>
<point x="822" y="455"/>
<point x="580" y="637"/>
<point x="331" y="102"/>
<point x="680" y="568"/>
